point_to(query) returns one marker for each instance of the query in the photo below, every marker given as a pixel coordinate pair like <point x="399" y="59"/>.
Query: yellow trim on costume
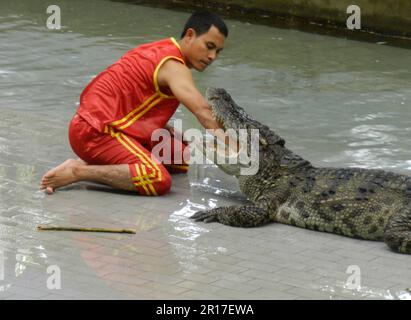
<point x="150" y="184"/>
<point x="138" y="153"/>
<point x="176" y="44"/>
<point x="155" y="80"/>
<point x="144" y="180"/>
<point x="152" y="100"/>
<point x="146" y="160"/>
<point x="118" y="136"/>
<point x="141" y="179"/>
<point x="140" y="114"/>
<point x="134" y="149"/>
<point x="129" y="115"/>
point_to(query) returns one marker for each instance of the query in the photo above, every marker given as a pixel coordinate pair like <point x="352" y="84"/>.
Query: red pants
<point x="148" y="174"/>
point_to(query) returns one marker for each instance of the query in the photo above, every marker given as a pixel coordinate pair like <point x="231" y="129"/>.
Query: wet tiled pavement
<point x="354" y="112"/>
<point x="170" y="256"/>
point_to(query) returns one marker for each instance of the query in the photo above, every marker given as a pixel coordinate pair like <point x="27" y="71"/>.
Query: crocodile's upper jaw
<point x="225" y="110"/>
<point x="232" y="118"/>
<point x="260" y="138"/>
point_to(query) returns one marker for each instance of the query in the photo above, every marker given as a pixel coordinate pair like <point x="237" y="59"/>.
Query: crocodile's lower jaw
<point x="222" y="150"/>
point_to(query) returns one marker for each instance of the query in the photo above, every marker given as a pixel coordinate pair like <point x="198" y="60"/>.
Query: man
<point x="123" y="105"/>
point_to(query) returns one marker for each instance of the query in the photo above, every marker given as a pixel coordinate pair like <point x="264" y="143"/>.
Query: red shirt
<point x="126" y="96"/>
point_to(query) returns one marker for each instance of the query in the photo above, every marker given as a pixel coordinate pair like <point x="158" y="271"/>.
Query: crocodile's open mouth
<point x="219" y="120"/>
<point x="244" y="139"/>
<point x="214" y="99"/>
<point x="217" y="117"/>
<point x="225" y="113"/>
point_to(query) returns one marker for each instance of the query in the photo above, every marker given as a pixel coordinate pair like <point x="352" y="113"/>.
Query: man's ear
<point x="190" y="34"/>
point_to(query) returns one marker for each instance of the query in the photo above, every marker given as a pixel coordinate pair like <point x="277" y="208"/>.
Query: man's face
<point x="203" y="49"/>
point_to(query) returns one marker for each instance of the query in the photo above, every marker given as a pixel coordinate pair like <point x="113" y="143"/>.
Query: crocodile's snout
<point x="215" y="93"/>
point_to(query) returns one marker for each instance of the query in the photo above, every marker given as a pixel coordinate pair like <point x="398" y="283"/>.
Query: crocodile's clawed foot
<point x="205" y="216"/>
<point x="236" y="216"/>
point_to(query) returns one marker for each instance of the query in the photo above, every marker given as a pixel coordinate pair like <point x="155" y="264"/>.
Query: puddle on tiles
<point x="14" y="263"/>
<point x="24" y="254"/>
<point x="183" y="233"/>
<point x="365" y="292"/>
<point x="184" y="227"/>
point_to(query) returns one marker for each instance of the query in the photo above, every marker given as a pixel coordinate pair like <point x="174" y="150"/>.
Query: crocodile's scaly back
<point x="354" y="202"/>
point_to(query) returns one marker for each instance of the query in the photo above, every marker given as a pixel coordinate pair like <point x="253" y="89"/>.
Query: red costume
<point x="120" y="109"/>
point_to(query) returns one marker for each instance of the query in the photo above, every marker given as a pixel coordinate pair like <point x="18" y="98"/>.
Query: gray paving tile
<point x="308" y="294"/>
<point x="201" y="287"/>
<point x="244" y="287"/>
<point x="160" y="287"/>
<point x="272" y="294"/>
<point x="171" y="256"/>
<point x="200" y="295"/>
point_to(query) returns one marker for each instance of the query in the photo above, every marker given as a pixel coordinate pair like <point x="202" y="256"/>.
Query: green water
<point x="336" y="102"/>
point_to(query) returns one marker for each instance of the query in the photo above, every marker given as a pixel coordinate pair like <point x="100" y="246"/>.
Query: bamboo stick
<point x="55" y="228"/>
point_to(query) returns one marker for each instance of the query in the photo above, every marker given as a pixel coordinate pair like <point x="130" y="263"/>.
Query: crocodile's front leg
<point x="237" y="216"/>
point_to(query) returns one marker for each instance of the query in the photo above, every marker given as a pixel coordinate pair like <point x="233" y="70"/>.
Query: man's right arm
<point x="178" y="78"/>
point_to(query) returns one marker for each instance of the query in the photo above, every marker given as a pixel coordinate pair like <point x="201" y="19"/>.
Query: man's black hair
<point x="201" y="22"/>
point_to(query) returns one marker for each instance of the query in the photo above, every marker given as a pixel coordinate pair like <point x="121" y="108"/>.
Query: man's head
<point x="203" y="39"/>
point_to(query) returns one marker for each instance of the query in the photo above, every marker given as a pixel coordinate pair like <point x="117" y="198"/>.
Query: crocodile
<point x="370" y="204"/>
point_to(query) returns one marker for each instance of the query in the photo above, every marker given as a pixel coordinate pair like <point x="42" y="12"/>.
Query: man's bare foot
<point x="61" y="175"/>
<point x="82" y="161"/>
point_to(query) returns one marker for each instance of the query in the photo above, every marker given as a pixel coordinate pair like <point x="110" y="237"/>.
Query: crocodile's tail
<point x="398" y="231"/>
